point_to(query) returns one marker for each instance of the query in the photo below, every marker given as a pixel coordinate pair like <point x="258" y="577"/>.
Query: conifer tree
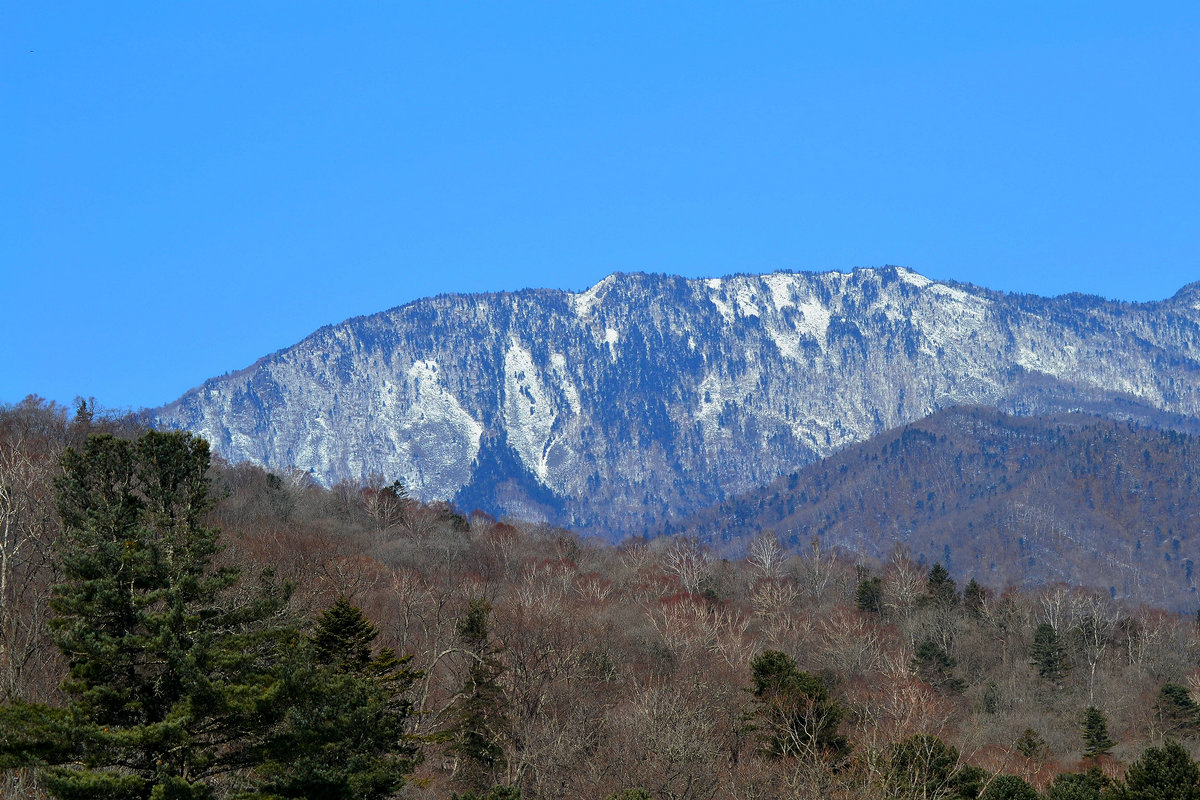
<point x="170" y="680"/>
<point x="974" y="596"/>
<point x="180" y="683"/>
<point x="1030" y="745"/>
<point x="921" y="766"/>
<point x="1078" y="785"/>
<point x="869" y="595"/>
<point x="940" y="587"/>
<point x="345" y="735"/>
<point x="1096" y="741"/>
<point x="1009" y="787"/>
<point x="1177" y="711"/>
<point x="343" y="637"/>
<point x="935" y="666"/>
<point x="1166" y="773"/>
<point x="480" y="715"/>
<point x="1048" y="654"/>
<point x="796" y="715"/>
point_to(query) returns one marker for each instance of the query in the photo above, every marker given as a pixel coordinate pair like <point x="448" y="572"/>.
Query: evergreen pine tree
<point x="1048" y="654"/>
<point x="869" y="595"/>
<point x="345" y="736"/>
<point x="168" y="682"/>
<point x="343" y="637"/>
<point x="940" y="587"/>
<point x="935" y="666"/>
<point x="1096" y="741"/>
<point x="921" y="766"/>
<point x="1166" y="773"/>
<point x="1177" y="711"/>
<point x="177" y="684"/>
<point x="1030" y="745"/>
<point x="796" y="715"/>
<point x="1009" y="787"/>
<point x="974" y="596"/>
<point x="1078" y="785"/>
<point x="480" y="715"/>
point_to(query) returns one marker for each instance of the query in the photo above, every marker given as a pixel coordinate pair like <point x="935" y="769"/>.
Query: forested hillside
<point x="550" y="666"/>
<point x="1028" y="501"/>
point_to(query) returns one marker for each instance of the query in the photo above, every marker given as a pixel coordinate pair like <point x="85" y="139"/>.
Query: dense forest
<point x="1022" y="500"/>
<point x="173" y="627"/>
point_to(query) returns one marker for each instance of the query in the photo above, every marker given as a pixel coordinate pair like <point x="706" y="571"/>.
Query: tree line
<point x="173" y="626"/>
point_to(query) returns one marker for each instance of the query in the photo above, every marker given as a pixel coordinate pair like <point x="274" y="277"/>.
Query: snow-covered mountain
<point x="651" y="396"/>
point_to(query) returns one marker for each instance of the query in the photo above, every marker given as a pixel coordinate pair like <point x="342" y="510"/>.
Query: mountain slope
<point x="1004" y="499"/>
<point x="649" y="396"/>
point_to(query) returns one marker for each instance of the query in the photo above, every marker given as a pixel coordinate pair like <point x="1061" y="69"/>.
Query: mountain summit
<point x="648" y="397"/>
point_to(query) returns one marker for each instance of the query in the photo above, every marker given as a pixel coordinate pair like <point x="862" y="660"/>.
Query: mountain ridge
<point x="1004" y="499"/>
<point x="647" y="396"/>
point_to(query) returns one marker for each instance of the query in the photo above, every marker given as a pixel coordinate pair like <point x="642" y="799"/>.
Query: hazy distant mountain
<point x="1021" y="500"/>
<point x="648" y="397"/>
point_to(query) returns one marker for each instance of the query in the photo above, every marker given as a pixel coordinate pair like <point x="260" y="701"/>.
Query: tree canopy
<point x="183" y="682"/>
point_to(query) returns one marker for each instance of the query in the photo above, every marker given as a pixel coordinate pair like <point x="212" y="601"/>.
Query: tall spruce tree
<point x="345" y="736"/>
<point x="795" y="714"/>
<point x="479" y="723"/>
<point x="1048" y="654"/>
<point x="869" y="595"/>
<point x="1096" y="741"/>
<point x="1162" y="773"/>
<point x="179" y="686"/>
<point x="170" y="681"/>
<point x="940" y="588"/>
<point x="974" y="596"/>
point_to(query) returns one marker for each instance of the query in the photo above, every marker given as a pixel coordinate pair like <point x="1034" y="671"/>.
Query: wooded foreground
<point x="394" y="648"/>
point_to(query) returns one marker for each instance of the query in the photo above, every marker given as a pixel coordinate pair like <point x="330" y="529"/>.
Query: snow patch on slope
<point x="814" y="318"/>
<point x="954" y="318"/>
<point x="914" y="278"/>
<point x="783" y="289"/>
<point x="558" y="362"/>
<point x="747" y="303"/>
<point x="435" y="437"/>
<point x="585" y="301"/>
<point x="528" y="411"/>
<point x="724" y="308"/>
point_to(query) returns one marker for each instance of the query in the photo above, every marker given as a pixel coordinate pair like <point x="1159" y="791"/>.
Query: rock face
<point x="647" y="397"/>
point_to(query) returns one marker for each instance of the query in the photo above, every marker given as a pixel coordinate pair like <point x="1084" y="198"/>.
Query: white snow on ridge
<point x="953" y="293"/>
<point x="914" y="278"/>
<point x="725" y="309"/>
<point x="815" y="318"/>
<point x="783" y="287"/>
<point x="585" y="301"/>
<point x="746" y="302"/>
<point x="611" y="336"/>
<point x="954" y="316"/>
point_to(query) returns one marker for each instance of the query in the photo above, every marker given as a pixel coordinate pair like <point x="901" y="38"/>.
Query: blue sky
<point x="187" y="186"/>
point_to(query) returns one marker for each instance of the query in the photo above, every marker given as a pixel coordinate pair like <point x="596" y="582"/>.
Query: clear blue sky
<point x="185" y="187"/>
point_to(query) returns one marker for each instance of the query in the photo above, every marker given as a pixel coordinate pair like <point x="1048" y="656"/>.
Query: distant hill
<point x="1004" y="499"/>
<point x="649" y="397"/>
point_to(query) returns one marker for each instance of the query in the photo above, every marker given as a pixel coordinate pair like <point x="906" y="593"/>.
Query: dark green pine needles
<point x="182" y="684"/>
